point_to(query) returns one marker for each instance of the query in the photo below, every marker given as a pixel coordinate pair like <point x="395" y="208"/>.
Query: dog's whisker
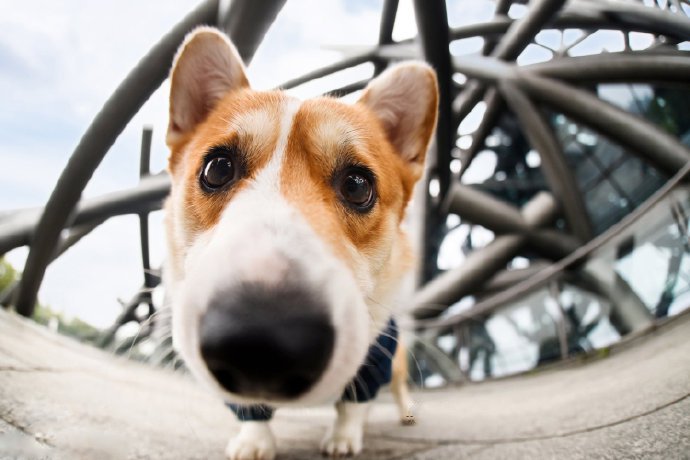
<point x="432" y="306"/>
<point x="163" y="331"/>
<point x="388" y="308"/>
<point x="161" y="351"/>
<point x="383" y="349"/>
<point x="136" y="337"/>
<point x="170" y="366"/>
<point x="353" y="390"/>
<point x="388" y="354"/>
<point x="364" y="387"/>
<point x="418" y="367"/>
<point x="408" y="331"/>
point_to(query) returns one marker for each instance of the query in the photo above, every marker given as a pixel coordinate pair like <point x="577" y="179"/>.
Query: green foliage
<point x="73" y="327"/>
<point x="8" y="274"/>
<point x="44" y="315"/>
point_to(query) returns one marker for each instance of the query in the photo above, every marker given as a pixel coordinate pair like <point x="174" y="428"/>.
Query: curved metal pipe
<point x="18" y="230"/>
<point x="618" y="67"/>
<point x="435" y="40"/>
<point x="556" y="169"/>
<point x="640" y="137"/>
<point x="124" y="103"/>
<point x="554" y="270"/>
<point x="643" y="139"/>
<point x="246" y="23"/>
<point x="481" y="265"/>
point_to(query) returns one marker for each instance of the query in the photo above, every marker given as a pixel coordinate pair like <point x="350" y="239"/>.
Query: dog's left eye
<point x="218" y="171"/>
<point x="356" y="188"/>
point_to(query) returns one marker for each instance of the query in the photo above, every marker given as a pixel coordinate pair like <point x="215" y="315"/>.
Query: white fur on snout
<point x="262" y="238"/>
<point x="262" y="264"/>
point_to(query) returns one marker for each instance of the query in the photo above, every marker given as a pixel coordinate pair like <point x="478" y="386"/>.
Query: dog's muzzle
<point x="267" y="342"/>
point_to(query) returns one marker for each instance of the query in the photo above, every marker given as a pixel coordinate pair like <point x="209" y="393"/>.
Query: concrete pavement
<point x="61" y="399"/>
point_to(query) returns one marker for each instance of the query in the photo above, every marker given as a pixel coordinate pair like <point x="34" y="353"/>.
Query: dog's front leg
<point x="255" y="441"/>
<point x="345" y="438"/>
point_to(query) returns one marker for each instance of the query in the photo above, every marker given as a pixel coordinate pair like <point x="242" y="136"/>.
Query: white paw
<point x="342" y="445"/>
<point x="254" y="442"/>
<point x="345" y="438"/>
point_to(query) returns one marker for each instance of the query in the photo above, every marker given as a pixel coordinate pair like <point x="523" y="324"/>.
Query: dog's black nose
<point x="259" y="341"/>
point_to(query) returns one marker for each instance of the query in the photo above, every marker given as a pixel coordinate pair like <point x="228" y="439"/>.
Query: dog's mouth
<point x="266" y="343"/>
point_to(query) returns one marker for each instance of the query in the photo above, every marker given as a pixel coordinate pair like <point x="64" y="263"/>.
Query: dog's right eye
<point x="356" y="189"/>
<point x="218" y="171"/>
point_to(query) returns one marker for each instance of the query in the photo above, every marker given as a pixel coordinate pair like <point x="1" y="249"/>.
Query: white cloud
<point x="304" y="36"/>
<point x="463" y="12"/>
<point x="81" y="50"/>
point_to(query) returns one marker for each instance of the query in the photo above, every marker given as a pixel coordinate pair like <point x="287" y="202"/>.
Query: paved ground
<point x="59" y="399"/>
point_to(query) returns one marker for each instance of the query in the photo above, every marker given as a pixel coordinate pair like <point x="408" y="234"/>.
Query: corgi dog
<point x="285" y="246"/>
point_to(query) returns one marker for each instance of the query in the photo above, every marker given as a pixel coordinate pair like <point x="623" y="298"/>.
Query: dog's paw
<point x="345" y="438"/>
<point x="250" y="449"/>
<point x="342" y="444"/>
<point x="408" y="414"/>
<point x="408" y="420"/>
<point x="254" y="442"/>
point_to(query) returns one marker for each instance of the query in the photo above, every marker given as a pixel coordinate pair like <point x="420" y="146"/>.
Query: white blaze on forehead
<point x="256" y="212"/>
<point x="269" y="176"/>
<point x="256" y="125"/>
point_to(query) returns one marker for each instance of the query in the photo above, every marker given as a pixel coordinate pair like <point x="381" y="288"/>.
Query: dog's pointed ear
<point x="405" y="100"/>
<point x="207" y="66"/>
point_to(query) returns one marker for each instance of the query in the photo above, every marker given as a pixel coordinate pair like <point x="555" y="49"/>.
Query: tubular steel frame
<point x="492" y="78"/>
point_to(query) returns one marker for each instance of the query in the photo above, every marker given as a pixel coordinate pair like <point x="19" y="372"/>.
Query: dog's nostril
<point x="296" y="385"/>
<point x="227" y="378"/>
